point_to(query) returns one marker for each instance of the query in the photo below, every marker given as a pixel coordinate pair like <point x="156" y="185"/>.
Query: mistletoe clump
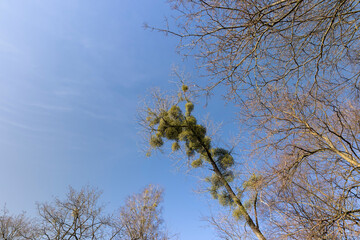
<point x="186" y="133"/>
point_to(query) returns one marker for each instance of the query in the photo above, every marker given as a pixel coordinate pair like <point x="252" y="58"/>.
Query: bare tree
<point x="292" y="68"/>
<point x="77" y="217"/>
<point x="314" y="167"/>
<point x="16" y="227"/>
<point x="140" y="218"/>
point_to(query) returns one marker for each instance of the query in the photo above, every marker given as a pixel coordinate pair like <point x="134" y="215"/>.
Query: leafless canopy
<point x="262" y="42"/>
<point x="292" y="67"/>
<point x="77" y="217"/>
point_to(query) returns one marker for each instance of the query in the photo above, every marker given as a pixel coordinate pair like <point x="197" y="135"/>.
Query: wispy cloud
<point x="21" y="125"/>
<point x="50" y="107"/>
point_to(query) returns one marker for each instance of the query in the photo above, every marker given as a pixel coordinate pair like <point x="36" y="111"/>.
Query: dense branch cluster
<point x="261" y="42"/>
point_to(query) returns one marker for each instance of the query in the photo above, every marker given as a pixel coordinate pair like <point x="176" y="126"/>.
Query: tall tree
<point x="166" y="121"/>
<point x="292" y="68"/>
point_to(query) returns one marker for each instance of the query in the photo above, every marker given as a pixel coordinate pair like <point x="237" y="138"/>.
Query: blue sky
<point x="72" y="75"/>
